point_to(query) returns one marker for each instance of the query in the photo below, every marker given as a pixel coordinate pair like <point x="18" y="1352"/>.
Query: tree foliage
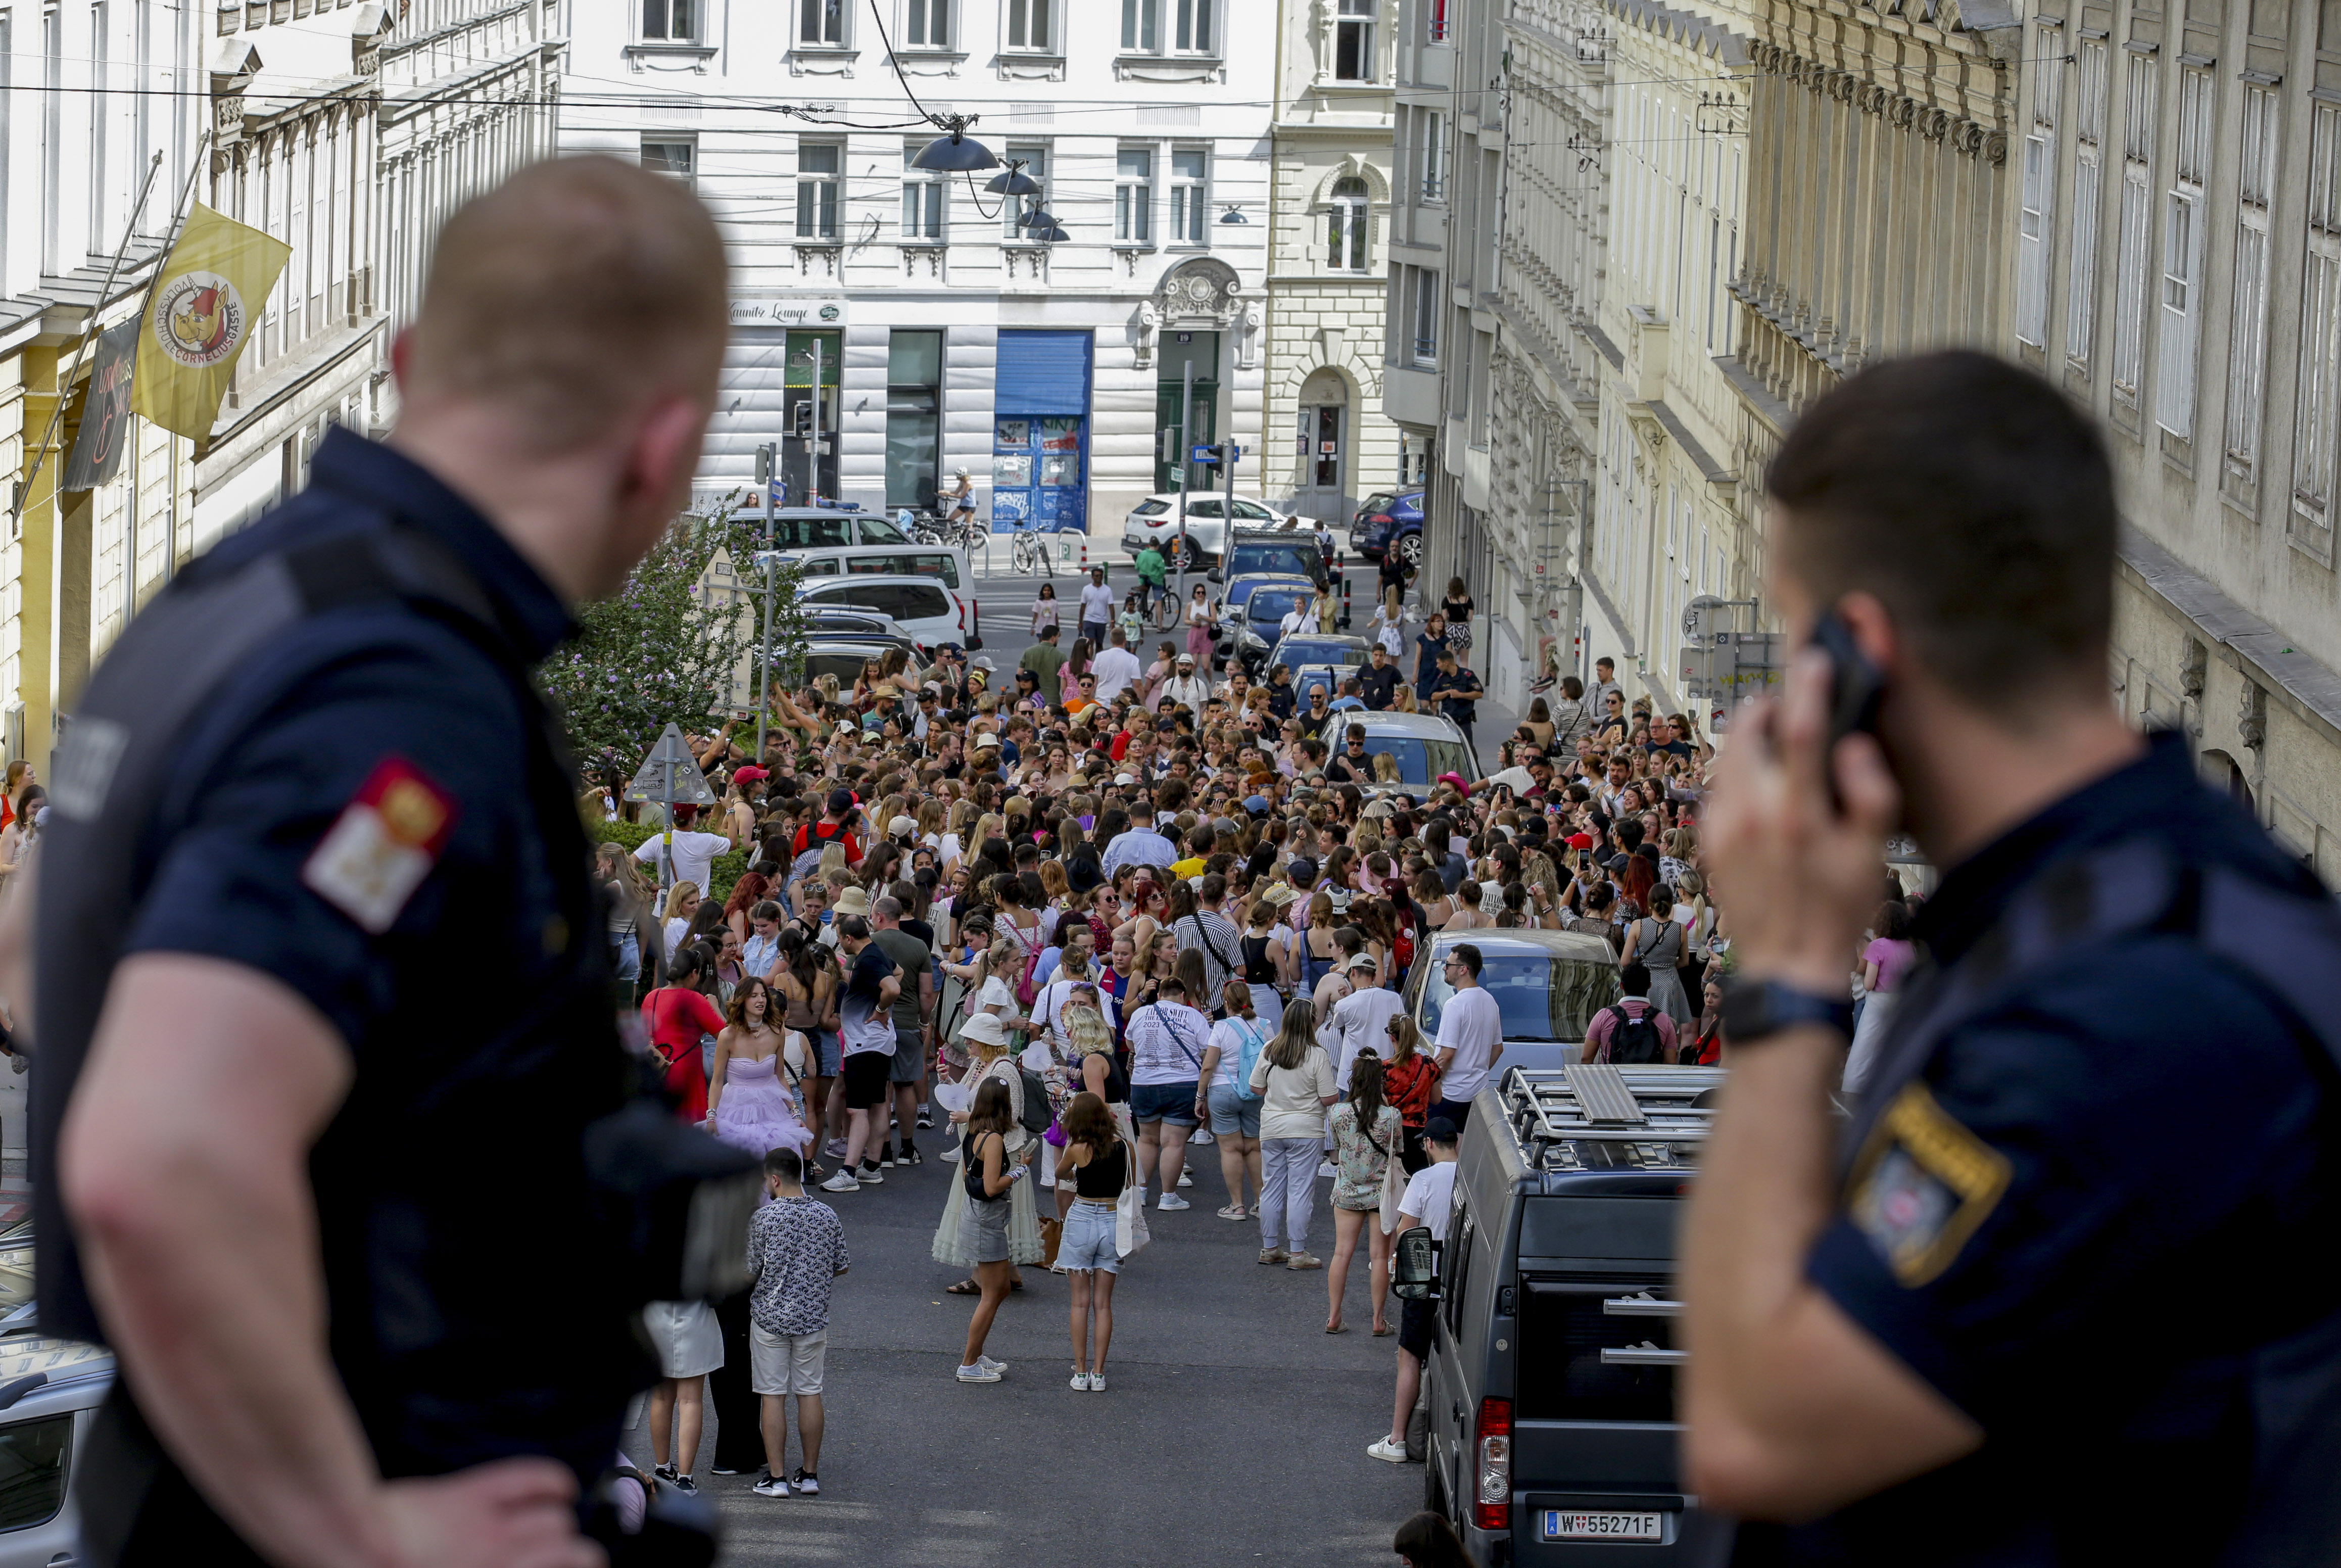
<point x="655" y="653"/>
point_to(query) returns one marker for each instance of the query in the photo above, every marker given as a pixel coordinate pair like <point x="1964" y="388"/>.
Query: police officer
<point x="333" y="1217"/>
<point x="2061" y="1291"/>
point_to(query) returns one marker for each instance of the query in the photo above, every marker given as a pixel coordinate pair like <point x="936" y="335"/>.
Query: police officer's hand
<point x="511" y="1513"/>
<point x="1801" y="876"/>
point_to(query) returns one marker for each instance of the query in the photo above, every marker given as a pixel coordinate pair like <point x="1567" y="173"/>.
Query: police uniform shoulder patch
<point x="1922" y="1186"/>
<point x="383" y="845"/>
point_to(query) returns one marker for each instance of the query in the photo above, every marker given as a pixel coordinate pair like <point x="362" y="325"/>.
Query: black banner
<point x="105" y="409"/>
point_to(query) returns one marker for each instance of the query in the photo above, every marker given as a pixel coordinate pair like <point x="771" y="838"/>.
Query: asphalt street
<point x="1233" y="1429"/>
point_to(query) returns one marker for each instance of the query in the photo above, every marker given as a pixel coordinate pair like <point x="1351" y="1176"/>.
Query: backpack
<point x="1248" y="1059"/>
<point x="1038" y="1115"/>
<point x="1634" y="1042"/>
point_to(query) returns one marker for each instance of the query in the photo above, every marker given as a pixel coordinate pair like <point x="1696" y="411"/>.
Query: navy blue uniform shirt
<point x="467" y="1277"/>
<point x="2138" y="1185"/>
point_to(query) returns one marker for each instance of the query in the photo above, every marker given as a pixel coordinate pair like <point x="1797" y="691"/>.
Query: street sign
<point x="670" y="776"/>
<point x="1203" y="455"/>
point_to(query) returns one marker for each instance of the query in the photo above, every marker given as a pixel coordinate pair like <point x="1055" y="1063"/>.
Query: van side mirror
<point x="1414" y="1269"/>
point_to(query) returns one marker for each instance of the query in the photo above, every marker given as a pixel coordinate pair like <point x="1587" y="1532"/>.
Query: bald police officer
<point x="2063" y="1291"/>
<point x="331" y="1214"/>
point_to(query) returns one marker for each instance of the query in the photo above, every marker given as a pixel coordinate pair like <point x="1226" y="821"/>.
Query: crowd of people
<point x="1073" y="927"/>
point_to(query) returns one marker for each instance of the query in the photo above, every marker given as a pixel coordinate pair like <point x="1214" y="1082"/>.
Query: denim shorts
<point x="1089" y="1239"/>
<point x="1233" y="1115"/>
<point x="824" y="1044"/>
<point x="1171" y="1102"/>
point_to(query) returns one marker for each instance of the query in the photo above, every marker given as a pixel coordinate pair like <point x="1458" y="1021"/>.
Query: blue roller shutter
<point x="1043" y="373"/>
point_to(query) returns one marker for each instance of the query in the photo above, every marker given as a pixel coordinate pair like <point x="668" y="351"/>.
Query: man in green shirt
<point x="1150" y="567"/>
<point x="1044" y="660"/>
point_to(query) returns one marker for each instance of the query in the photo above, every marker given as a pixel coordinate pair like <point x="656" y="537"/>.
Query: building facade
<point x="892" y="325"/>
<point x="272" y="113"/>
<point x="1330" y="443"/>
<point x="1669" y="520"/>
<point x="2178" y="269"/>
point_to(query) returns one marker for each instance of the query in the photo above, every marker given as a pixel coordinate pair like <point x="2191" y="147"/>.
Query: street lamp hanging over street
<point x="954" y="153"/>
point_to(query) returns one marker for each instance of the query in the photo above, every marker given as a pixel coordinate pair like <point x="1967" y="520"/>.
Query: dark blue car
<point x="1389" y="519"/>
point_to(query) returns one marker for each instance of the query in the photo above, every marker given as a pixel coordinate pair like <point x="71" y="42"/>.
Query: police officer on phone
<point x="339" y="1223"/>
<point x="2060" y="1292"/>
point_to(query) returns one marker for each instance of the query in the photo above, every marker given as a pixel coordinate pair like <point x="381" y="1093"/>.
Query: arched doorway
<point x="2221" y="771"/>
<point x="1322" y="489"/>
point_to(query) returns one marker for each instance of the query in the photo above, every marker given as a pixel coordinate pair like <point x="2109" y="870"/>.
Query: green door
<point x="1203" y="430"/>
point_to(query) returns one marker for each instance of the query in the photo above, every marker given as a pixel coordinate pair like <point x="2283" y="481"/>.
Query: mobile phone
<point x="1854" y="684"/>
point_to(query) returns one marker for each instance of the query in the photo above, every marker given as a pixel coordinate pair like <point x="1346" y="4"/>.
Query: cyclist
<point x="1150" y="574"/>
<point x="963" y="500"/>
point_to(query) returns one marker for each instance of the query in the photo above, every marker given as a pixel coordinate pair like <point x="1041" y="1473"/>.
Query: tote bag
<point x="1130" y="1209"/>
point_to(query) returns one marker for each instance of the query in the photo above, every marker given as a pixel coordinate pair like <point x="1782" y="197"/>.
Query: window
<point x="922" y="199"/>
<point x="1434" y="22"/>
<point x="2247" y="324"/>
<point x="1142" y="26"/>
<point x="33" y="1455"/>
<point x="821" y="23"/>
<point x="1353" y="41"/>
<point x="1434" y="156"/>
<point x="927" y="24"/>
<point x="668" y="155"/>
<point x="1194" y="31"/>
<point x="2036" y="219"/>
<point x="2136" y="237"/>
<point x="669" y="21"/>
<point x="817" y="167"/>
<point x="1345" y="227"/>
<point x="1034" y="162"/>
<point x="2182" y="260"/>
<point x="1028" y="24"/>
<point x="1133" y="196"/>
<point x="2319" y="432"/>
<point x="914" y="378"/>
<point x="1190" y="223"/>
<point x="1426" y="317"/>
<point x="2081" y="274"/>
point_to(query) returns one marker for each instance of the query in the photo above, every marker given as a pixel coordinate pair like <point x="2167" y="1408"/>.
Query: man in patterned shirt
<point x="796" y="1247"/>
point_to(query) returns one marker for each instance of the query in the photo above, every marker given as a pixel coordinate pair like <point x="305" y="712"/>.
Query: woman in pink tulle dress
<point x="755" y="1100"/>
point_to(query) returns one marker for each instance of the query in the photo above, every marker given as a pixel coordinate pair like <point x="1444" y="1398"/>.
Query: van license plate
<point x="1561" y="1526"/>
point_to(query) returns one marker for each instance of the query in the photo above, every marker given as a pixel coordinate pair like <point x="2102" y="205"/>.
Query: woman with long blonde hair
<point x="1294" y="1079"/>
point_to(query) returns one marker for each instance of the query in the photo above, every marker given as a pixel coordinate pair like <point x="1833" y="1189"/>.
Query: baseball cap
<point x="1438" y="1130"/>
<point x="1123" y="779"/>
<point x="900" y="825"/>
<point x="840" y="801"/>
<point x="1256" y="804"/>
<point x="1364" y="960"/>
<point x="750" y="773"/>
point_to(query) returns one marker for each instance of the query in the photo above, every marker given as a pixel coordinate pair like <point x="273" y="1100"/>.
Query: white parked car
<point x="1156" y="518"/>
<point x="928" y="612"/>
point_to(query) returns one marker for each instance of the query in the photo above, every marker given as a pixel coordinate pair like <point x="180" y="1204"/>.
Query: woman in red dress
<point x="677" y="1014"/>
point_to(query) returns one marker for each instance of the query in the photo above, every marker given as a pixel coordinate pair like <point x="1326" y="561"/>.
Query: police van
<point x="1551" y="1433"/>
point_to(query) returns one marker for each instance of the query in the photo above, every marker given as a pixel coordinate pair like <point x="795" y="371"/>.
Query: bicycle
<point x="1029" y="549"/>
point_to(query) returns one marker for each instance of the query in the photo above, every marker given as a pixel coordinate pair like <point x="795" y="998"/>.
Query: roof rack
<point x="1652" y="1116"/>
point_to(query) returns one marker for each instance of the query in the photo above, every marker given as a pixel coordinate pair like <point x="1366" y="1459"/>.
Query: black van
<point x="1550" y="1392"/>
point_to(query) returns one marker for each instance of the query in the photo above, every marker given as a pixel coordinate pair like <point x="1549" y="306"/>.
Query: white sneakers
<point x="1388" y="1452"/>
<point x="1089" y="1383"/>
<point x="841" y="1180"/>
<point x="1172" y="1202"/>
<point x="979" y="1372"/>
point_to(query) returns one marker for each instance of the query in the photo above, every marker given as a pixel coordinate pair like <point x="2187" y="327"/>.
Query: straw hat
<point x="854" y="900"/>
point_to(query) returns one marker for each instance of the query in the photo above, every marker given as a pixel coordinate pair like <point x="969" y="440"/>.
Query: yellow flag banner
<point x="212" y="286"/>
